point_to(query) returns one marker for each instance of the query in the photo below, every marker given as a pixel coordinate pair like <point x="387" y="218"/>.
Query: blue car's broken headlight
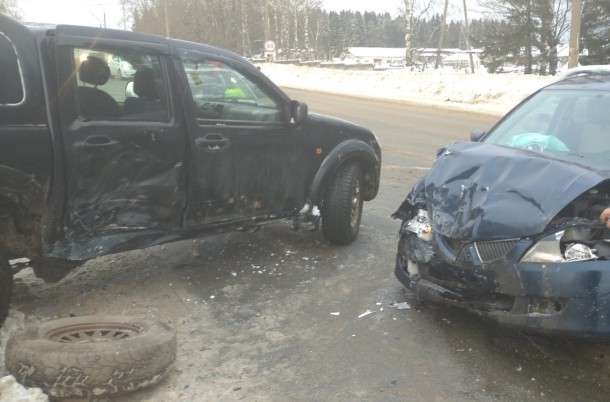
<point x="549" y="250"/>
<point x="420" y="225"/>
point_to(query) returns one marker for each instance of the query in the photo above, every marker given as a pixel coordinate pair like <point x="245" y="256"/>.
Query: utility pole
<point x="574" y="33"/>
<point x="467" y="35"/>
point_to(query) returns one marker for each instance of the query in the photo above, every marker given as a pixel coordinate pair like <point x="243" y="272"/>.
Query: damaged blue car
<point x="507" y="225"/>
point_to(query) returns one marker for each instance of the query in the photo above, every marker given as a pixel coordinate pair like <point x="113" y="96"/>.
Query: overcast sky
<point x="94" y="12"/>
<point x="78" y="12"/>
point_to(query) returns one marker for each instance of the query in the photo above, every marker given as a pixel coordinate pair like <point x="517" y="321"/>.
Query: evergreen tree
<point x="595" y="32"/>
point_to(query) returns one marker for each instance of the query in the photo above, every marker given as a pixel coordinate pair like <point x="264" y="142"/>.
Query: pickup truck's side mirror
<point x="477" y="134"/>
<point x="298" y="112"/>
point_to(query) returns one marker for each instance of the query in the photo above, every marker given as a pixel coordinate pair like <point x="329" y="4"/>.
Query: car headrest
<point x="94" y="71"/>
<point x="144" y="84"/>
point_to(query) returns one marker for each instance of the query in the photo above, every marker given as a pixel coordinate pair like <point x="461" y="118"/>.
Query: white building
<point x="386" y="58"/>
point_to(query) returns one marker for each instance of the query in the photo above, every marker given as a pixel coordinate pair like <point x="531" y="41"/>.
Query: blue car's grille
<point x="494" y="250"/>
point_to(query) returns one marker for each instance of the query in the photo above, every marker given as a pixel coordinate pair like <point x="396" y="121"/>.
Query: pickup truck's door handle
<point x="97" y="143"/>
<point x="212" y="142"/>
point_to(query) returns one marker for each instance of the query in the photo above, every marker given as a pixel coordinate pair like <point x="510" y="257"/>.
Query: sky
<point x="77" y="12"/>
<point x="110" y="13"/>
<point x="95" y="12"/>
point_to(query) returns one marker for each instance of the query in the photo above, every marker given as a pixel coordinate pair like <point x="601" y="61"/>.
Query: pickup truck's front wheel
<point x="6" y="287"/>
<point x="343" y="205"/>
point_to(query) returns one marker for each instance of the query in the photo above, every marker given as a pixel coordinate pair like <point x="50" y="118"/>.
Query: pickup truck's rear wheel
<point x="6" y="287"/>
<point x="91" y="356"/>
<point x="343" y="205"/>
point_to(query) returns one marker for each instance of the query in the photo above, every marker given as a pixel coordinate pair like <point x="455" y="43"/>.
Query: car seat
<point x="95" y="103"/>
<point x="145" y="86"/>
<point x="595" y="134"/>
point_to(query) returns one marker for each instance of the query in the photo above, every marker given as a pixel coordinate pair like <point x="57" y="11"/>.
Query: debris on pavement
<point x="401" y="306"/>
<point x="367" y="312"/>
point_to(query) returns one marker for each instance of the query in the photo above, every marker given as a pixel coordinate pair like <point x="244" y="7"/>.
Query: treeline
<point x="517" y="32"/>
<point x="238" y="25"/>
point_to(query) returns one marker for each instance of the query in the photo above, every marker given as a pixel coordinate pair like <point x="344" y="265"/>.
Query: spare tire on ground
<point x="91" y="356"/>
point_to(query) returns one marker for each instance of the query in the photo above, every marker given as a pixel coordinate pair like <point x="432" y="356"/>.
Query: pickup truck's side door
<point x="247" y="161"/>
<point x="124" y="145"/>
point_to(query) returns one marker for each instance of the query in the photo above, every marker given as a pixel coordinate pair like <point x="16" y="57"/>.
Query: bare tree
<point x="9" y="7"/>
<point x="414" y="10"/>
<point x="408" y="32"/>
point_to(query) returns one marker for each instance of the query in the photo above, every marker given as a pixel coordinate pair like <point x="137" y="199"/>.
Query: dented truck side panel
<point x="146" y="169"/>
<point x="25" y="177"/>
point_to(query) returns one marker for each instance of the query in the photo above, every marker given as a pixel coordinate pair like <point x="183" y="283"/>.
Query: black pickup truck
<point x="113" y="140"/>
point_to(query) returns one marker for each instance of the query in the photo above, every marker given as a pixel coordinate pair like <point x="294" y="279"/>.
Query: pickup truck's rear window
<point x="120" y="84"/>
<point x="11" y="82"/>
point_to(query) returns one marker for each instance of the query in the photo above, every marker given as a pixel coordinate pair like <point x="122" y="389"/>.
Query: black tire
<point x="342" y="209"/>
<point x="91" y="356"/>
<point x="6" y="287"/>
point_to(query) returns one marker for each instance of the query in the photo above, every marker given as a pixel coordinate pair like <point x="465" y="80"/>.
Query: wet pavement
<point x="279" y="315"/>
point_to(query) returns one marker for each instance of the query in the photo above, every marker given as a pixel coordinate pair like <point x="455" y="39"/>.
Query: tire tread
<point x="337" y="211"/>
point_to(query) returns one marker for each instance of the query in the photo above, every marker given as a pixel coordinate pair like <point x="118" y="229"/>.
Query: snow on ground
<point x="12" y="391"/>
<point x="481" y="92"/>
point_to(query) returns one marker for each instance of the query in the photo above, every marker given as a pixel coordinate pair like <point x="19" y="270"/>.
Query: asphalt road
<point x="279" y="315"/>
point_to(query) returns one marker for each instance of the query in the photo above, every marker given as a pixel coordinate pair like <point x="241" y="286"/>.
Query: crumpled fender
<point x="481" y="191"/>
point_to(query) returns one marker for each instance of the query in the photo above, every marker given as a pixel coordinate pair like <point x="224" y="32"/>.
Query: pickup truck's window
<point x="11" y="83"/>
<point x="222" y="93"/>
<point x="120" y="85"/>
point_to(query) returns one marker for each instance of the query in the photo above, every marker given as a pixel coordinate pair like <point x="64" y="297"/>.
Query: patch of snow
<point x="12" y="391"/>
<point x="480" y="92"/>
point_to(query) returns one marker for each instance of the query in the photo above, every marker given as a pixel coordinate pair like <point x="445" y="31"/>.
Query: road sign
<point x="269" y="46"/>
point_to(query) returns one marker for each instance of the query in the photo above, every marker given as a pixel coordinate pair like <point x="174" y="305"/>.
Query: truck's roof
<point x="41" y="30"/>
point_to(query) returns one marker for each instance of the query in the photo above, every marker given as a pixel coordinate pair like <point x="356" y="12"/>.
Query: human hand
<point x="605" y="217"/>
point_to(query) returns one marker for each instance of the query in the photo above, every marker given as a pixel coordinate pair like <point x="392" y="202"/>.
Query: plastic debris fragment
<point x="367" y="312"/>
<point x="401" y="306"/>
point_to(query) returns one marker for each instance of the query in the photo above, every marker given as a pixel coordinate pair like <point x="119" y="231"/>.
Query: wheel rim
<point x="356" y="204"/>
<point x="94" y="333"/>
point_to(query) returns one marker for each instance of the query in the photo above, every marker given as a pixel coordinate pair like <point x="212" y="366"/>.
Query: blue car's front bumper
<point x="570" y="298"/>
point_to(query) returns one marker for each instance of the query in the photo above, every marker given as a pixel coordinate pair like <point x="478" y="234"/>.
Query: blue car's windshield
<point x="567" y="123"/>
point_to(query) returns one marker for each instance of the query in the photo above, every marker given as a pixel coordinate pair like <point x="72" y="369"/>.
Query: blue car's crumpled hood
<point x="480" y="191"/>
